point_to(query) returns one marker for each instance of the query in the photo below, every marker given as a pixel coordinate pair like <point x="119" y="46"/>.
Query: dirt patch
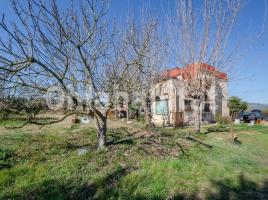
<point x="249" y="132"/>
<point x="67" y="123"/>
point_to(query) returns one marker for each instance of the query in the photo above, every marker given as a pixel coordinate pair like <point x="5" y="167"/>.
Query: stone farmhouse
<point x="172" y="106"/>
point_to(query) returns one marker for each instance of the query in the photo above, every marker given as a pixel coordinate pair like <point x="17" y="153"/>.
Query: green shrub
<point x="223" y="121"/>
<point x="142" y="119"/>
<point x="5" y="158"/>
<point x="218" y="129"/>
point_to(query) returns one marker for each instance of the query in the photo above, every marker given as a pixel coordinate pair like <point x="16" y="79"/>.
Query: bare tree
<point x="75" y="51"/>
<point x="141" y="57"/>
<point x="199" y="38"/>
<point x="69" y="49"/>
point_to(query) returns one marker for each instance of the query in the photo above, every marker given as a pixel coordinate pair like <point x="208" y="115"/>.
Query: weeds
<point x="137" y="164"/>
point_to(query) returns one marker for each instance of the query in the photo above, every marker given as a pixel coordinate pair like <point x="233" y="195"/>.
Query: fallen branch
<point x="144" y="150"/>
<point x="198" y="141"/>
<point x="182" y="149"/>
<point x="42" y="124"/>
<point x="127" y="139"/>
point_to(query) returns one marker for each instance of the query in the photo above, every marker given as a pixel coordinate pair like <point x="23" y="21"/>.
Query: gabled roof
<point x="191" y="69"/>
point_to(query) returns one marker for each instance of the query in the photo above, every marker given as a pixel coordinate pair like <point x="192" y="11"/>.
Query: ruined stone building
<point x="172" y="106"/>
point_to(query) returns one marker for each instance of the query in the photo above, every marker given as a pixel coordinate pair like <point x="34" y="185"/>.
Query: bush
<point x="222" y="121"/>
<point x="142" y="119"/>
<point x="5" y="158"/>
<point x="20" y="106"/>
<point x="218" y="129"/>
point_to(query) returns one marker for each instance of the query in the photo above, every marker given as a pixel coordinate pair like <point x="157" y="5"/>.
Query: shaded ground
<point x="137" y="164"/>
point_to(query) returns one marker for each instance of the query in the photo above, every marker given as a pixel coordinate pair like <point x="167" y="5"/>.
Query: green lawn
<point x="165" y="165"/>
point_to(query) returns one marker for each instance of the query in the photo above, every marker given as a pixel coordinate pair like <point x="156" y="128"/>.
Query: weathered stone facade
<point x="170" y="100"/>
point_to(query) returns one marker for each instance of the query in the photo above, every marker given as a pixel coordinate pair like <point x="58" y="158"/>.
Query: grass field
<point x="63" y="163"/>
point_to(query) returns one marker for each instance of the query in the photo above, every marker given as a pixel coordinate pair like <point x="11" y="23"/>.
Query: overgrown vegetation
<point x="28" y="108"/>
<point x="221" y="126"/>
<point x="135" y="165"/>
<point x="5" y="158"/>
<point x="217" y="128"/>
<point x="223" y="121"/>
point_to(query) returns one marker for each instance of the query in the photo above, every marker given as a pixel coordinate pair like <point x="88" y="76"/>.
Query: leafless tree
<point x="75" y="50"/>
<point x="201" y="34"/>
<point x="141" y="57"/>
<point x="68" y="48"/>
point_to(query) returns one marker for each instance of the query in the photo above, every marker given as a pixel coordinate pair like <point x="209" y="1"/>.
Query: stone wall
<point x="173" y="91"/>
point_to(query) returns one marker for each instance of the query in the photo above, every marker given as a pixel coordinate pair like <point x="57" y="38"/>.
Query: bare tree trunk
<point x="101" y="128"/>
<point x="147" y="109"/>
<point x="148" y="117"/>
<point x="232" y="118"/>
<point x="197" y="121"/>
<point x="128" y="114"/>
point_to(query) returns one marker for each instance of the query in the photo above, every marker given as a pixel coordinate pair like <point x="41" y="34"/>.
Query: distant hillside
<point x="258" y="106"/>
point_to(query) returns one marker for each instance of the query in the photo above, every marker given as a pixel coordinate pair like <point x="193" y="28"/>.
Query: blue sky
<point x="249" y="80"/>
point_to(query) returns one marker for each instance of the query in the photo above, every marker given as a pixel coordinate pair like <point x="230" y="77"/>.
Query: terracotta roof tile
<point x="191" y="68"/>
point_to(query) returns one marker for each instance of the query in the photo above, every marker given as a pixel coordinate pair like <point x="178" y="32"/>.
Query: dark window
<point x="187" y="105"/>
<point x="207" y="107"/>
<point x="206" y="97"/>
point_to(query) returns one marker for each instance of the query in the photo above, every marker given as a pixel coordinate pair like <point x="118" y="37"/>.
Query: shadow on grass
<point x="245" y="189"/>
<point x="55" y="189"/>
<point x="226" y="190"/>
<point x="107" y="188"/>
